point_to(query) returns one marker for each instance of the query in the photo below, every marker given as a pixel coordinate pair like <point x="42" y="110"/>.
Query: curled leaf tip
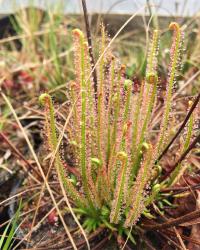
<point x="43" y="98"/>
<point x="73" y="143"/>
<point x="127" y="84"/>
<point x="174" y="26"/>
<point x="190" y="103"/>
<point x="85" y="43"/>
<point x="152" y="78"/>
<point x="145" y="146"/>
<point x="77" y="32"/>
<point x="73" y="84"/>
<point x="123" y="68"/>
<point x="122" y="155"/>
<point x="96" y="161"/>
<point x="156" y="187"/>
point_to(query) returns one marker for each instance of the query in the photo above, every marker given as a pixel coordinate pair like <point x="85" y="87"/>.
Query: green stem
<point x="83" y="119"/>
<point x="46" y="101"/>
<point x="119" y="189"/>
<point x="152" y="80"/>
<point x="100" y="95"/>
<point x="136" y="199"/>
<point x="175" y="57"/>
<point x="110" y="102"/>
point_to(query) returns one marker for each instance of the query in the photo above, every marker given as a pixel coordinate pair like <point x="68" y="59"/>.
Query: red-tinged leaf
<point x="25" y="77"/>
<point x="8" y="84"/>
<point x="52" y="217"/>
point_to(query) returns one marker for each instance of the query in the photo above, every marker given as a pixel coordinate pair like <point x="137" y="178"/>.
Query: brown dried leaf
<point x="195" y="227"/>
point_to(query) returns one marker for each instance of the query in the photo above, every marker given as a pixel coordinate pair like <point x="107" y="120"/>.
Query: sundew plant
<point x="116" y="156"/>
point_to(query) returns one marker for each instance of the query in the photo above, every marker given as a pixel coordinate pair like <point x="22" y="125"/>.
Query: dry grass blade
<point x="17" y="37"/>
<point x="190" y="80"/>
<point x="17" y="195"/>
<point x="39" y="64"/>
<point x="20" y="156"/>
<point x="180" y="239"/>
<point x="174" y="222"/>
<point x="195" y="103"/>
<point x="38" y="224"/>
<point x="182" y="157"/>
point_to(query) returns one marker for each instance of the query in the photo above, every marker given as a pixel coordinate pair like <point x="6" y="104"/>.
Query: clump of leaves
<point x="115" y="153"/>
<point x="7" y="239"/>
